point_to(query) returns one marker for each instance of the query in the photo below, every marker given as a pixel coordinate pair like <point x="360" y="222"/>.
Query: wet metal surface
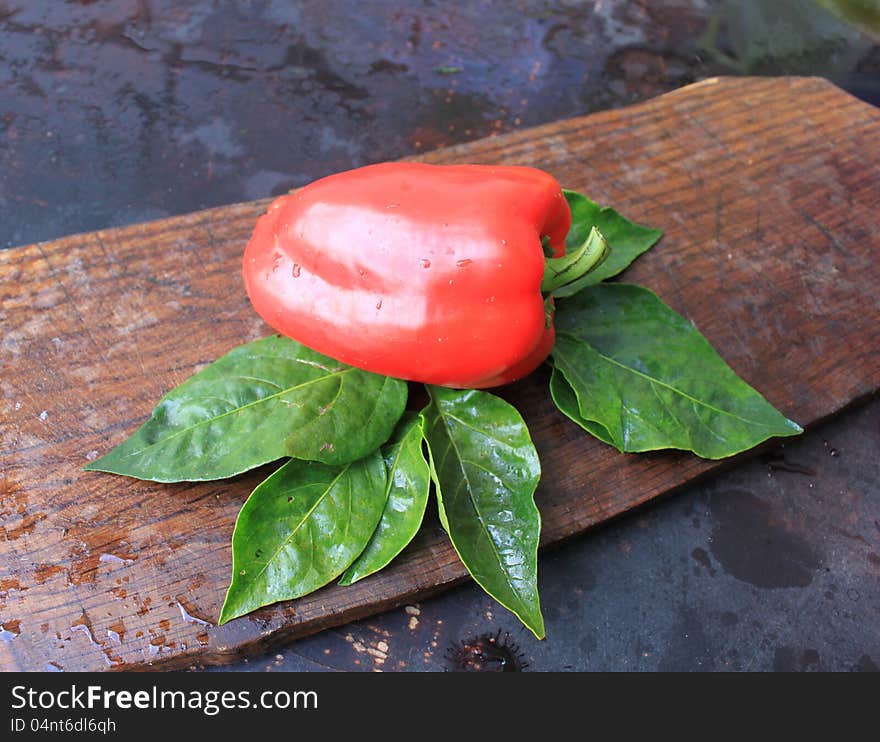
<point x="117" y="111"/>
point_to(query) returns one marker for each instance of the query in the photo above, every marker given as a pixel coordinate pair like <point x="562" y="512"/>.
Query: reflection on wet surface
<point x="115" y="112"/>
<point x="753" y="543"/>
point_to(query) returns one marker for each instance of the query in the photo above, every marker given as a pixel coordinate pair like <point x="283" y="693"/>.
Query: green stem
<point x="559" y="272"/>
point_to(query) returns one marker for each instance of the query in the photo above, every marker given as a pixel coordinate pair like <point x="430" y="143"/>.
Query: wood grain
<point x="767" y="190"/>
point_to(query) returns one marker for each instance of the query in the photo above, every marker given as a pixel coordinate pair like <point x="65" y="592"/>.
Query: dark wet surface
<point x="116" y="111"/>
<point x="756" y="570"/>
<point x="750" y="535"/>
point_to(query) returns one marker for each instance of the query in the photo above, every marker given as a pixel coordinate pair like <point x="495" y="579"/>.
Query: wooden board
<point x="768" y="193"/>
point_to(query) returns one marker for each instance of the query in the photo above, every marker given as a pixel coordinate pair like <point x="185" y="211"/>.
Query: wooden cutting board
<point x="767" y="189"/>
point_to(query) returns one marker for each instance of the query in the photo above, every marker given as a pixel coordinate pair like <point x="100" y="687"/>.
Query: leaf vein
<point x="261" y="400"/>
<point x="480" y="517"/>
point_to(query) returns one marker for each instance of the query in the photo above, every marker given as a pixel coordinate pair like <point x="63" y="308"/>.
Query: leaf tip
<point x="227" y="614"/>
<point x="788" y="428"/>
<point x="536" y="625"/>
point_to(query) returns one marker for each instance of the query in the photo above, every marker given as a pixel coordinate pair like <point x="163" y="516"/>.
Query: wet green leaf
<point x="646" y="376"/>
<point x="627" y="239"/>
<point x="260" y="402"/>
<point x="302" y="528"/>
<point x="485" y="471"/>
<point x="861" y="14"/>
<point x="406" y="495"/>
<point x="565" y="399"/>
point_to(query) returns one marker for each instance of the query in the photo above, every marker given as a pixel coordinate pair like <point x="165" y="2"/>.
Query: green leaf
<point x="565" y="399"/>
<point x="485" y="470"/>
<point x="260" y="402"/>
<point x="651" y="380"/>
<point x="627" y="239"/>
<point x="406" y="496"/>
<point x="861" y="14"/>
<point x="300" y="529"/>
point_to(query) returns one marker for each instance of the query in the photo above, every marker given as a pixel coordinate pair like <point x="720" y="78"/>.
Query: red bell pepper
<point x="421" y="272"/>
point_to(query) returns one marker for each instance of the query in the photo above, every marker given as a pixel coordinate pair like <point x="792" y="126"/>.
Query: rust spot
<point x="159" y="643"/>
<point x="43" y="572"/>
<point x="116" y="630"/>
<point x="144" y="605"/>
<point x="84" y="565"/>
<point x="12" y="497"/>
<point x="96" y="547"/>
<point x="84" y="625"/>
<point x="27" y="525"/>
<point x="10" y="584"/>
<point x="9" y="630"/>
<point x="112" y="660"/>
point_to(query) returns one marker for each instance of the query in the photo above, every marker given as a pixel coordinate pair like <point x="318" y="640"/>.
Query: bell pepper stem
<point x="559" y="272"/>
